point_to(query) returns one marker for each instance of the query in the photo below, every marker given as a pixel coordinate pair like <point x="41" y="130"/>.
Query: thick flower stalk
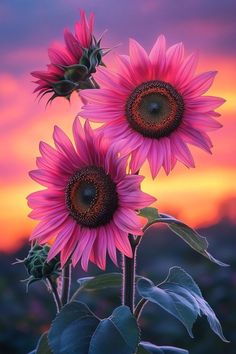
<point x="157" y="103"/>
<point x="71" y="67"/>
<point x="90" y="202"/>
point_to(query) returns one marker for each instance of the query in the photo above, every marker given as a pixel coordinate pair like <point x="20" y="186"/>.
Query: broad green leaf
<point x="149" y="348"/>
<point x="72" y="329"/>
<point x="142" y="350"/>
<point x="99" y="282"/>
<point x="102" y="281"/>
<point x="180" y="296"/>
<point x="42" y="346"/>
<point x="118" y="334"/>
<point x="189" y="235"/>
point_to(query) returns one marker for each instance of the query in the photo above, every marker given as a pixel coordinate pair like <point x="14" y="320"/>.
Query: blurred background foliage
<point x="24" y="316"/>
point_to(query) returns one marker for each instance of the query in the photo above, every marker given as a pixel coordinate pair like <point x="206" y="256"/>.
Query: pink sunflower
<point x="90" y="202"/>
<point x="72" y="65"/>
<point x="156" y="103"/>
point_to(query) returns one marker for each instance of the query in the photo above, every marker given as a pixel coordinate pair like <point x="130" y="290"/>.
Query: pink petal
<point x="122" y="63"/>
<point x="100" y="248"/>
<point x="44" y="75"/>
<point x="173" y="161"/>
<point x="130" y="183"/>
<point x="61" y="240"/>
<point x="46" y="213"/>
<point x="45" y="197"/>
<point x="204" y="104"/>
<point x="83" y="249"/>
<point x="100" y="114"/>
<point x="105" y="96"/>
<point x="68" y="249"/>
<point x="128" y="221"/>
<point x="166" y="148"/>
<point x="87" y="250"/>
<point x="195" y="137"/>
<point x="59" y="57"/>
<point x="136" y="199"/>
<point x="158" y="56"/>
<point x="181" y="151"/>
<point x="214" y="114"/>
<point x="139" y="61"/>
<point x="116" y="82"/>
<point x="186" y="70"/>
<point x="90" y="142"/>
<point x="122" y="241"/>
<point x="48" y="228"/>
<point x="48" y="179"/>
<point x="139" y="155"/>
<point x="54" y="159"/>
<point x="80" y="142"/>
<point x="64" y="145"/>
<point x="56" y="71"/>
<point x="155" y="158"/>
<point x="111" y="246"/>
<point x="200" y="84"/>
<point x="73" y="46"/>
<point x="84" y="29"/>
<point x="174" y="58"/>
<point x="204" y="122"/>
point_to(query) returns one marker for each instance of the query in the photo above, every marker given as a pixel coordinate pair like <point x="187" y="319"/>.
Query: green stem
<point x="129" y="274"/>
<point x="66" y="282"/>
<point x="56" y="297"/>
<point x="139" y="308"/>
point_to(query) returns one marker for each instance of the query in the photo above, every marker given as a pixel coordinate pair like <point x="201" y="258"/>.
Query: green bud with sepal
<point x="38" y="267"/>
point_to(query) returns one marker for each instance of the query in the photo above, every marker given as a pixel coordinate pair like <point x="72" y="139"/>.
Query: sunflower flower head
<point x="157" y="103"/>
<point x="90" y="203"/>
<point x="71" y="66"/>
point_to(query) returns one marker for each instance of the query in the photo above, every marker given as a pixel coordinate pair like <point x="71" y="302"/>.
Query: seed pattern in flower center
<point x="155" y="109"/>
<point x="91" y="197"/>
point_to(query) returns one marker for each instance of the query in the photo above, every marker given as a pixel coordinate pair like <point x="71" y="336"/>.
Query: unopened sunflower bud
<point x="37" y="265"/>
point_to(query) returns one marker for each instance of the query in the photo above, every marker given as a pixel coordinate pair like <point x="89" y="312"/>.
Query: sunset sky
<point x="27" y="28"/>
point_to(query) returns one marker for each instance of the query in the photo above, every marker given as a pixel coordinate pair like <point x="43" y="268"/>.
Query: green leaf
<point x="42" y="346"/>
<point x="99" y="282"/>
<point x="149" y="348"/>
<point x="72" y="329"/>
<point x="118" y="334"/>
<point x="150" y="213"/>
<point x="189" y="235"/>
<point x="142" y="350"/>
<point x="180" y="296"/>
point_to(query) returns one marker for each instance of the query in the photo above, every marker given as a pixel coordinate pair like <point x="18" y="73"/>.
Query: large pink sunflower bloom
<point x="70" y="66"/>
<point x="89" y="206"/>
<point x="157" y="103"/>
